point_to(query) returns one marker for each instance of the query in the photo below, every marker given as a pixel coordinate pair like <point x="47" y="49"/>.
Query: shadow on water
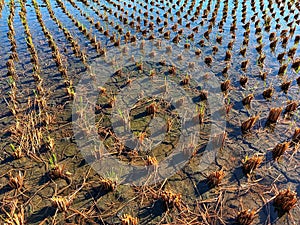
<point x="140" y="115"/>
<point x="269" y="211"/>
<point x="201" y="188"/>
<point x="8" y="159"/>
<point x="44" y="179"/>
<point x="237" y="175"/>
<point x="150" y="213"/>
<point x="5" y="189"/>
<point x="41" y="214"/>
<point x="96" y="193"/>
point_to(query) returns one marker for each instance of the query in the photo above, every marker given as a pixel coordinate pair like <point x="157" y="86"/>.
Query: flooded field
<point x="149" y="112"/>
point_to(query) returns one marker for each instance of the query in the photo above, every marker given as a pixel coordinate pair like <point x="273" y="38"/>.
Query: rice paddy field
<point x="149" y="112"/>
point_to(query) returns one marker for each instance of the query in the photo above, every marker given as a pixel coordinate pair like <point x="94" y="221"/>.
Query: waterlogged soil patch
<point x="166" y="128"/>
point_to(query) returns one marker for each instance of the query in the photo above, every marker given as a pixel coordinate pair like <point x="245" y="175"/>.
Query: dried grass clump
<point x="107" y="184"/>
<point x="248" y="124"/>
<point x="268" y="93"/>
<point x="215" y="178"/>
<point x="279" y="150"/>
<point x="171" y="199"/>
<point x="282" y="69"/>
<point x="61" y="203"/>
<point x="244" y="64"/>
<point x="172" y="70"/>
<point x="261" y="59"/>
<point x="203" y="95"/>
<point x="225" y="85"/>
<point x="191" y="65"/>
<point x="285" y="86"/>
<point x="225" y="70"/>
<point x="251" y="164"/>
<point x="272" y="36"/>
<point x="245" y="217"/>
<point x="215" y="49"/>
<point x="15" y="215"/>
<point x="263" y="75"/>
<point x="228" y="55"/>
<point x="274" y="115"/>
<point x="16" y="182"/>
<point x="180" y="57"/>
<point x="247" y="100"/>
<point x="292" y="52"/>
<point x="151" y="109"/>
<point x="243" y="81"/>
<point x="296" y="65"/>
<point x="198" y="52"/>
<point x="280" y="56"/>
<point x="17" y="152"/>
<point x="202" y="43"/>
<point x="127" y="219"/>
<point x="111" y="101"/>
<point x="296" y="136"/>
<point x="186" y="80"/>
<point x="208" y="60"/>
<point x="151" y="161"/>
<point x="291" y="107"/>
<point x="273" y="44"/>
<point x="187" y="45"/>
<point x="285" y="200"/>
<point x="176" y="39"/>
<point x="243" y="51"/>
<point x="59" y="171"/>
